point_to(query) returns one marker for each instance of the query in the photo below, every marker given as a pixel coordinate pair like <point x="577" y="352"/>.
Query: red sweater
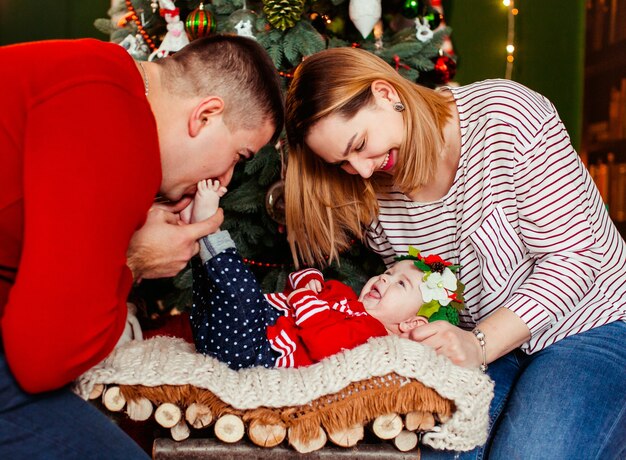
<point x="79" y="168"/>
<point x="316" y="326"/>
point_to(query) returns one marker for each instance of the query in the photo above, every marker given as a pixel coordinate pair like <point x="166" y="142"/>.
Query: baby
<point x="235" y="322"/>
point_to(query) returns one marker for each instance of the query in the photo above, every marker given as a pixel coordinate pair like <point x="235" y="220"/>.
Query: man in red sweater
<point x="88" y="138"/>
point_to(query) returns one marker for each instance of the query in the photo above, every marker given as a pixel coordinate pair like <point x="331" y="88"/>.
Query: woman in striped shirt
<point x="484" y="175"/>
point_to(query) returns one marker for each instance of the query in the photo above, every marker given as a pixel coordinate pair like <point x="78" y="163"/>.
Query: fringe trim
<point x="358" y="403"/>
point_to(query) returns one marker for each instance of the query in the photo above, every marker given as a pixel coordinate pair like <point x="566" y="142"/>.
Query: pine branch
<point x="312" y="41"/>
<point x="225" y="7"/>
<point x="270" y="173"/>
<point x="247" y="198"/>
<point x="105" y="26"/>
<point x="335" y="42"/>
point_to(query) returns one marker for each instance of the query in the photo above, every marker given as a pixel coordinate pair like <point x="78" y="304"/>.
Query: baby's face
<point x="394" y="296"/>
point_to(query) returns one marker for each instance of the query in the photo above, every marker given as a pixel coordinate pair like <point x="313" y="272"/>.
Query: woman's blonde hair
<point x="326" y="208"/>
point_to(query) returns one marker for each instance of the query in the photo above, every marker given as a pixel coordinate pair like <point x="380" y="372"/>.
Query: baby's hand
<point x="310" y="278"/>
<point x="314" y="285"/>
<point x="293" y="293"/>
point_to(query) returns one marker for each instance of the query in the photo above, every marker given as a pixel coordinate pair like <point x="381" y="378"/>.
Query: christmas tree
<point x="409" y="34"/>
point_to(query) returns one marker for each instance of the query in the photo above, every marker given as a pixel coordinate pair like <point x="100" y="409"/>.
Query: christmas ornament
<point x="200" y="23"/>
<point x="154" y="5"/>
<point x="243" y="22"/>
<point x="413" y="8"/>
<point x="175" y="38"/>
<point x="422" y="30"/>
<point x="283" y="14"/>
<point x="445" y="69"/>
<point x="365" y="14"/>
<point x="275" y="202"/>
<point x="434" y="18"/>
<point x="136" y="46"/>
<point x="446" y="47"/>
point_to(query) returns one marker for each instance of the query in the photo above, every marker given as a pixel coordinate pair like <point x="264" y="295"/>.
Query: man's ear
<point x="204" y="112"/>
<point x="412" y="323"/>
<point x="385" y="90"/>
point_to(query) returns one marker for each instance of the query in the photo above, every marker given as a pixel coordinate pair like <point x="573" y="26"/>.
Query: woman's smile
<point x="389" y="160"/>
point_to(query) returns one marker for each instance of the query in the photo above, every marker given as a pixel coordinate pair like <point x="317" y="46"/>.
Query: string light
<point x="285" y="74"/>
<point x="255" y="263"/>
<point x="510" y="41"/>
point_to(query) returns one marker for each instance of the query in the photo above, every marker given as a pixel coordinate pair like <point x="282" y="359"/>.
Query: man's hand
<point x="164" y="245"/>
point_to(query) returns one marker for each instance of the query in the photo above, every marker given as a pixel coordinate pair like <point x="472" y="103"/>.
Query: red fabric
<point x="300" y="278"/>
<point x="79" y="169"/>
<point x="322" y="325"/>
<point x="169" y="326"/>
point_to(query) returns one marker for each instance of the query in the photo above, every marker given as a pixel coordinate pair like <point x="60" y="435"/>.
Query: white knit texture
<point x="172" y="361"/>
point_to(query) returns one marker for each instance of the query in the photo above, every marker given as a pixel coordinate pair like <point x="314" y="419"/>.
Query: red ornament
<point x="199" y="23"/>
<point x="445" y="69"/>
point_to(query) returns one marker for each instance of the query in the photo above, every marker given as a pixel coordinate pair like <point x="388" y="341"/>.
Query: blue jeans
<point x="56" y="425"/>
<point x="567" y="401"/>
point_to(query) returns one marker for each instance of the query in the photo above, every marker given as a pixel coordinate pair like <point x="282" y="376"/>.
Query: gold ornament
<point x="275" y="202"/>
<point x="283" y="14"/>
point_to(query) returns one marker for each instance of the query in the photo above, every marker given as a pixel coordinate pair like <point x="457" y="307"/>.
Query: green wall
<point x="29" y="20"/>
<point x="549" y="42"/>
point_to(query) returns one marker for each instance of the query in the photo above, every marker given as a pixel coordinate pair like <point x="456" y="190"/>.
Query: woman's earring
<point x="398" y="106"/>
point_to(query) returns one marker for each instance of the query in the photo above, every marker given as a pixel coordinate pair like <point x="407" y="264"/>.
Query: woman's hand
<point x="504" y="331"/>
<point x="461" y="347"/>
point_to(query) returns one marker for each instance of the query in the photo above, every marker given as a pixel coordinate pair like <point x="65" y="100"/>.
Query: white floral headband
<point x="441" y="290"/>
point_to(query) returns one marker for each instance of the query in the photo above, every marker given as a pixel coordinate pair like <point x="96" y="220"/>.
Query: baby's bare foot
<point x="207" y="199"/>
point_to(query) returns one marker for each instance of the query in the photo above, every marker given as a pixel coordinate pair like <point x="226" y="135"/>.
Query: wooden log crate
<point x="396" y="389"/>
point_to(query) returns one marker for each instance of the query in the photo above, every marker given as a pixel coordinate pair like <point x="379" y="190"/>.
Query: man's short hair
<point x="235" y="68"/>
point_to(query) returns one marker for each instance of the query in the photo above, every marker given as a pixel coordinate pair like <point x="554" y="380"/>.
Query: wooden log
<point x="406" y="440"/>
<point x="167" y="415"/>
<point x="347" y="437"/>
<point x="198" y="415"/>
<point x="305" y="447"/>
<point x="229" y="428"/>
<point x="387" y="426"/>
<point x="419" y="421"/>
<point x="180" y="431"/>
<point x="113" y="399"/>
<point x="210" y="448"/>
<point x="266" y="434"/>
<point x="139" y="409"/>
<point x="96" y="391"/>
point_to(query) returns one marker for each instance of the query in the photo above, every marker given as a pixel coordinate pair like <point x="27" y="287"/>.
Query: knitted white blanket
<point x="171" y="361"/>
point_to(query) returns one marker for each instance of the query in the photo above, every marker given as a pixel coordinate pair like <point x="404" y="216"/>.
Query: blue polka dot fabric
<point x="229" y="314"/>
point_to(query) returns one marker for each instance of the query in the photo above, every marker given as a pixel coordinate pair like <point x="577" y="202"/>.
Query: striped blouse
<point x="523" y="218"/>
